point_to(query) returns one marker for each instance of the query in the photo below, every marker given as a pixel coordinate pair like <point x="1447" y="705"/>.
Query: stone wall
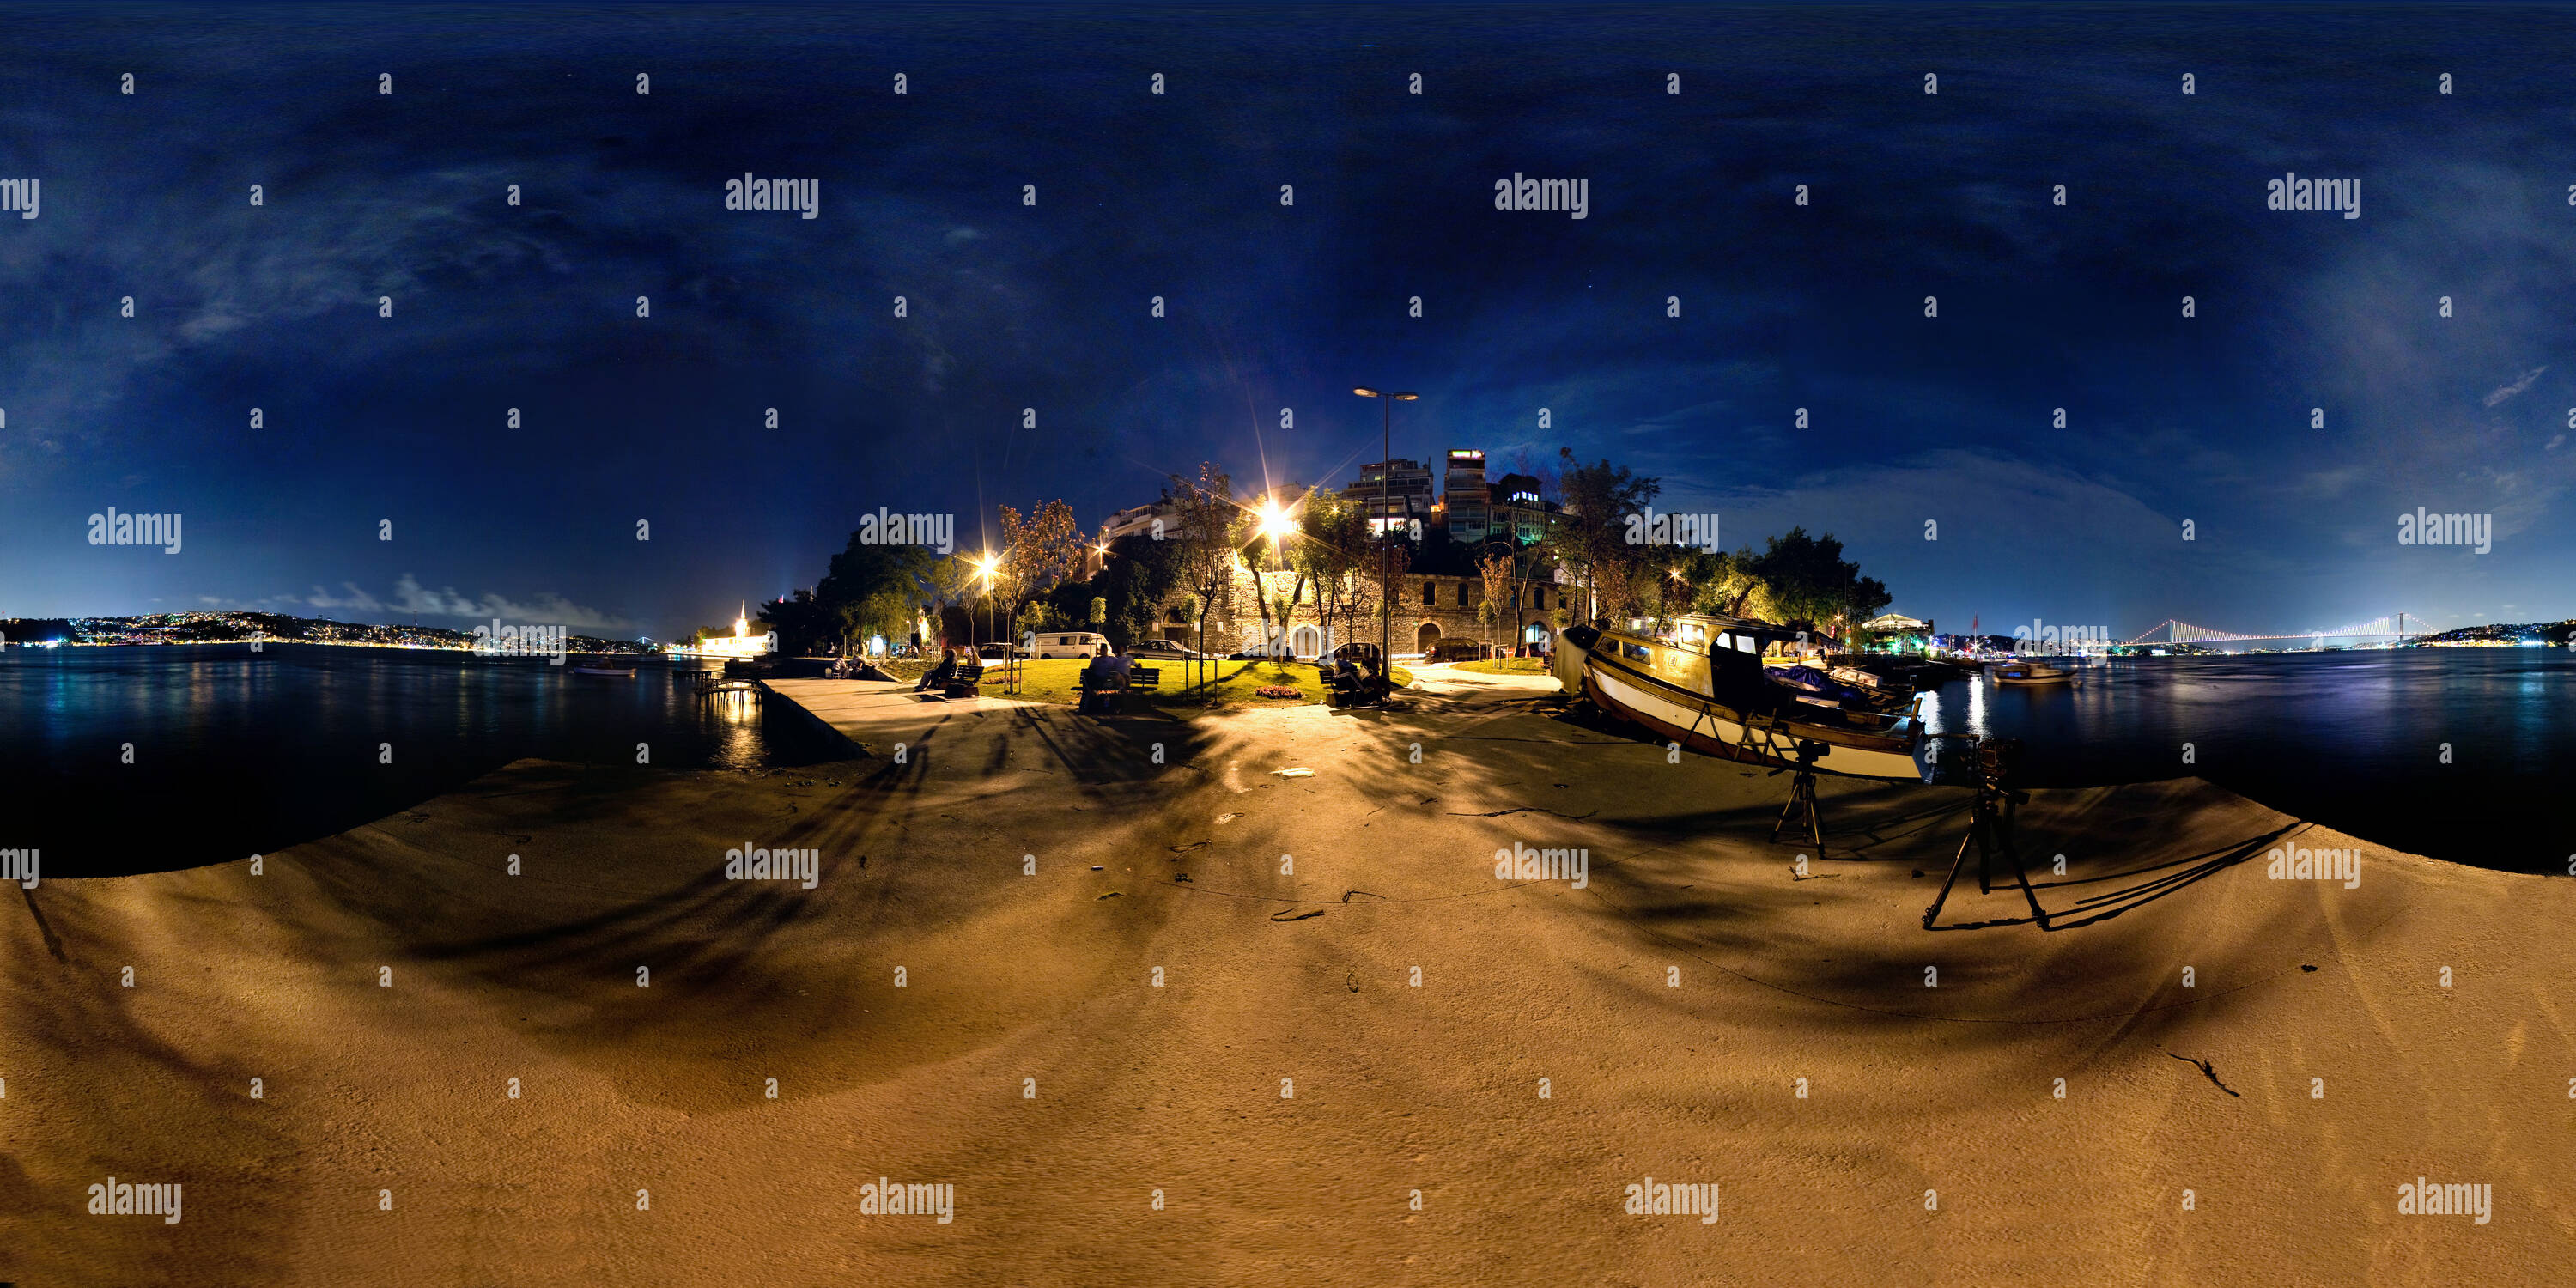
<point x="1417" y="624"/>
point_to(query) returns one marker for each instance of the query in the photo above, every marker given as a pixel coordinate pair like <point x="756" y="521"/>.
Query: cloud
<point x="411" y="599"/>
<point x="2507" y="391"/>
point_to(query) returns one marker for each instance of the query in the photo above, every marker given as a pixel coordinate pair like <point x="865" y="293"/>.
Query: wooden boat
<point x="625" y="673"/>
<point x="2032" y="673"/>
<point x="1705" y="687"/>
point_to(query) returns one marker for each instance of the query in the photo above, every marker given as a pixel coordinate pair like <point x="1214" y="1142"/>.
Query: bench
<point x="962" y="684"/>
<point x="1352" y="691"/>
<point x="1095" y="696"/>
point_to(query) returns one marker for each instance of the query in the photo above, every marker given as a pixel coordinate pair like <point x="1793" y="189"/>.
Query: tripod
<point x="1802" y="792"/>
<point x="1990" y="830"/>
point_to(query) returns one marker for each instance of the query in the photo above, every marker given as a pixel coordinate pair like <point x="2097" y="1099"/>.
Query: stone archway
<point x="1306" y="641"/>
<point x="1425" y="636"/>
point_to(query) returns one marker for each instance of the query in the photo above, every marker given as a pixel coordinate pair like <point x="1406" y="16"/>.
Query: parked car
<point x="1163" y="651"/>
<point x="1461" y="651"/>
<point x="999" y="652"/>
<point x="1046" y="644"/>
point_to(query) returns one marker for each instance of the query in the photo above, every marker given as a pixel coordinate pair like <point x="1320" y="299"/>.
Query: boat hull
<point x="1704" y="726"/>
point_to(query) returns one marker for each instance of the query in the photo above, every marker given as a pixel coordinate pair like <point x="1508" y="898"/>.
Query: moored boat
<point x="1705" y="687"/>
<point x="2032" y="673"/>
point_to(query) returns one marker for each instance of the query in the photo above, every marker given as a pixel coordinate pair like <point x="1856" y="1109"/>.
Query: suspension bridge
<point x="2392" y="626"/>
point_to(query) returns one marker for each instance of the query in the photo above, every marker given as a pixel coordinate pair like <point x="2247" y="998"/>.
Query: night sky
<point x="1178" y="195"/>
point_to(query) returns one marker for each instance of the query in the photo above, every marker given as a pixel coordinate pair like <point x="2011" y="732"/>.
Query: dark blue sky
<point x="1177" y="195"/>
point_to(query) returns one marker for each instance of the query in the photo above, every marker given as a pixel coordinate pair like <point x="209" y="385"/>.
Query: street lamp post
<point x="1385" y="553"/>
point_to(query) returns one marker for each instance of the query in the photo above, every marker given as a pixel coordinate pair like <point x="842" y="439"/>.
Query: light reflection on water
<point x="2353" y="740"/>
<point x="239" y="753"/>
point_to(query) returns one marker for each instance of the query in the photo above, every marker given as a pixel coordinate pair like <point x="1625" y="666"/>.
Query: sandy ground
<point x="1669" y="1008"/>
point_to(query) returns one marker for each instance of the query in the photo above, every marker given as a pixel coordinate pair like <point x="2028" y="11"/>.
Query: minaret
<point x="741" y="621"/>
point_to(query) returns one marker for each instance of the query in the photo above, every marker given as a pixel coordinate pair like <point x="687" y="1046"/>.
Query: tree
<point x="1808" y="580"/>
<point x="1332" y="543"/>
<point x="803" y="622"/>
<point x="1208" y="526"/>
<point x="1592" y="542"/>
<point x="1139" y="575"/>
<point x="1496" y="570"/>
<point x="1038" y="554"/>
<point x="950" y="583"/>
<point x="869" y="587"/>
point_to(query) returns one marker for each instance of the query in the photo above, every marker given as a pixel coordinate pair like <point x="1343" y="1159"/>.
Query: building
<point x="742" y="643"/>
<point x="1466" y="502"/>
<point x="1392" y="493"/>
<point x="1519" y="512"/>
<point x="1140" y="520"/>
<point x="1899" y="633"/>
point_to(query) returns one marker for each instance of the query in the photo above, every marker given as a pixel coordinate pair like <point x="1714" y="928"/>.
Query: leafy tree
<point x="1333" y="541"/>
<point x="1211" y="527"/>
<point x="1139" y="575"/>
<point x="1808" y="580"/>
<point x="1038" y="554"/>
<point x="803" y="622"/>
<point x="1592" y="542"/>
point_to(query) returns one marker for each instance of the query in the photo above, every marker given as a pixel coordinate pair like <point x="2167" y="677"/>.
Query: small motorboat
<point x="2033" y="673"/>
<point x="620" y="673"/>
<point x="1705" y="687"/>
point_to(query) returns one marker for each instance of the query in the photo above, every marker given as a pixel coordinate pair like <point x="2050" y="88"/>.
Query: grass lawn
<point x="1505" y="666"/>
<point x="1223" y="683"/>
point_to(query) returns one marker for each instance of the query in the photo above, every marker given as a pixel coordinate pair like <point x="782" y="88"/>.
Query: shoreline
<point x="1397" y="1087"/>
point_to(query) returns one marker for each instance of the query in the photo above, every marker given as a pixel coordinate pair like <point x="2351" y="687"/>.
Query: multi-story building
<point x="1466" y="502"/>
<point x="1392" y="493"/>
<point x="1519" y="512"/>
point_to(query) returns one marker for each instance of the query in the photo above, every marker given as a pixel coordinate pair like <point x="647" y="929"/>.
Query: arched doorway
<point x="1536" y="633"/>
<point x="1426" y="636"/>
<point x="1306" y="641"/>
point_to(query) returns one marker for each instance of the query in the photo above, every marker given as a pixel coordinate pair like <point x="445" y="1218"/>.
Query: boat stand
<point x="1802" y="792"/>
<point x="1990" y="830"/>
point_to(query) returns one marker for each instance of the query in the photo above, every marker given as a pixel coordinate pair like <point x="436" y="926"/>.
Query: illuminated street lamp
<point x="984" y="565"/>
<point x="1385" y="553"/>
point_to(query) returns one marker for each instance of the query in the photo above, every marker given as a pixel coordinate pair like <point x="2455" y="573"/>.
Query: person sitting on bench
<point x="940" y="672"/>
<point x="1104" y="680"/>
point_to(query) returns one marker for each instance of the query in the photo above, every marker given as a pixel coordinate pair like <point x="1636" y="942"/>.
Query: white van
<point x="1065" y="644"/>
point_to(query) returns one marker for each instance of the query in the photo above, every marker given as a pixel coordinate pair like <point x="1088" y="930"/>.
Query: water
<point x="2354" y="740"/>
<point x="238" y="753"/>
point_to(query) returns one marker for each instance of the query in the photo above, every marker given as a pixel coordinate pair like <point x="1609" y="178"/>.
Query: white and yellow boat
<point x="1704" y="687"/>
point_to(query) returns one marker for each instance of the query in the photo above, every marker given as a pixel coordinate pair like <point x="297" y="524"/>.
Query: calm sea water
<point x="2463" y="754"/>
<point x="238" y="753"/>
